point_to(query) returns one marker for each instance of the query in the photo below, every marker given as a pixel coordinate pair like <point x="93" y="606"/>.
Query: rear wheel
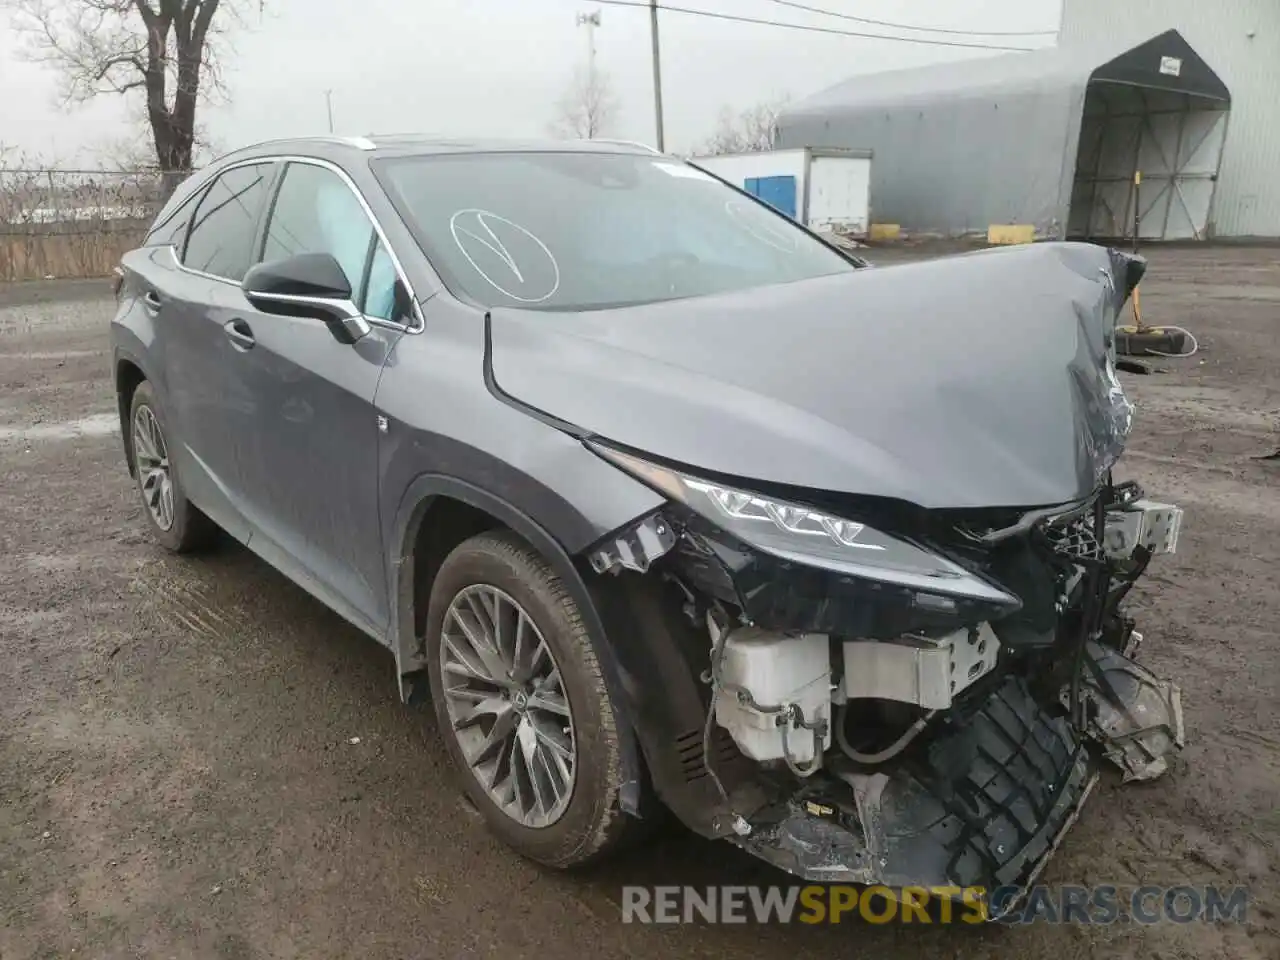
<point x="522" y="704"/>
<point x="174" y="520"/>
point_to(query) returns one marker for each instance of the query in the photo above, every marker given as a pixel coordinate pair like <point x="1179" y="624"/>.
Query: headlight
<point x="803" y="535"/>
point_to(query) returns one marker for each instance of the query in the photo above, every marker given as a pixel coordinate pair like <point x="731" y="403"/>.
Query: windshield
<point x="578" y="231"/>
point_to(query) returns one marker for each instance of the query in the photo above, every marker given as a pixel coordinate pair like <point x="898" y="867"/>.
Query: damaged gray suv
<point x="663" y="501"/>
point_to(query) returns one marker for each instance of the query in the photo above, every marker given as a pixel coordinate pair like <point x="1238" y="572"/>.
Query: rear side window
<point x="225" y="223"/>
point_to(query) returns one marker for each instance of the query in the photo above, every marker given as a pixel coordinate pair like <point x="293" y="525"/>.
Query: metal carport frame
<point x="1169" y="126"/>
<point x="966" y="146"/>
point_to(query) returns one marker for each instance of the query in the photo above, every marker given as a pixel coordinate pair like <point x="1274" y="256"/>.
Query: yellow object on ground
<point x="885" y="231"/>
<point x="1005" y="233"/>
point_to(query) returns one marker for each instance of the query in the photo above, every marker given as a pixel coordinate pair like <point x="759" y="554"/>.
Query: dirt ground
<point x="179" y="774"/>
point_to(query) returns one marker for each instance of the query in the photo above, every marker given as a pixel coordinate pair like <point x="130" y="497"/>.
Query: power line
<point x="907" y="26"/>
<point x="926" y="41"/>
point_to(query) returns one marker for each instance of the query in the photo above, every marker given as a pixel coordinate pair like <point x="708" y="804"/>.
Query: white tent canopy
<point x="1050" y="138"/>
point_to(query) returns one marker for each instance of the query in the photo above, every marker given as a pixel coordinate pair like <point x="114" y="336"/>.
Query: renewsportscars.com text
<point x="816" y="904"/>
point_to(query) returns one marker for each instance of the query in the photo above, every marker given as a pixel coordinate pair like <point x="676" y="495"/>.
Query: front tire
<point x="174" y="521"/>
<point x="522" y="704"/>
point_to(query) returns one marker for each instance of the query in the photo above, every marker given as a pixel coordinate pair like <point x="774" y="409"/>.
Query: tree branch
<point x="588" y="107"/>
<point x="162" y="48"/>
<point x="749" y="131"/>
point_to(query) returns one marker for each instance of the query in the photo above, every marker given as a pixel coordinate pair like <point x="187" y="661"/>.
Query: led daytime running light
<point x="789" y="518"/>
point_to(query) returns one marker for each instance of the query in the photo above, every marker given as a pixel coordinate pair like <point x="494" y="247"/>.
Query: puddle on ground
<point x="94" y="425"/>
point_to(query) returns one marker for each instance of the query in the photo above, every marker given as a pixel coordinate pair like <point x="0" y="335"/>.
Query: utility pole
<point x="328" y="102"/>
<point x="657" y="72"/>
<point x="590" y="21"/>
<point x="591" y="92"/>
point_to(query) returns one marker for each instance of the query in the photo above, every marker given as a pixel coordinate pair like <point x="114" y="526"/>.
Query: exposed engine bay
<point x="929" y="706"/>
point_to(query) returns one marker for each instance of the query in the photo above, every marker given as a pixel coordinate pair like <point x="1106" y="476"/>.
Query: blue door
<point x="778" y="192"/>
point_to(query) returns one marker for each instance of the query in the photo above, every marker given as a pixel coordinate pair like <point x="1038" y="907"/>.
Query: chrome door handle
<point x="240" y="334"/>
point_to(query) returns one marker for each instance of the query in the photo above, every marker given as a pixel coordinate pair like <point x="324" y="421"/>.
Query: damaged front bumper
<point x="1001" y="708"/>
<point x="987" y="802"/>
<point x="984" y="805"/>
<point x="1134" y="717"/>
<point x="980" y="800"/>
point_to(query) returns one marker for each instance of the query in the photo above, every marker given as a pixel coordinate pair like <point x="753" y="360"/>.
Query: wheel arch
<point x="129" y="375"/>
<point x="437" y="513"/>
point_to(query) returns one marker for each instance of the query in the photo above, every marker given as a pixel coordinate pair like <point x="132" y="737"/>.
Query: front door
<point x="312" y="459"/>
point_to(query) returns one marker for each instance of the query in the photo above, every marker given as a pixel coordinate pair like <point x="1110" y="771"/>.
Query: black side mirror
<point x="308" y="285"/>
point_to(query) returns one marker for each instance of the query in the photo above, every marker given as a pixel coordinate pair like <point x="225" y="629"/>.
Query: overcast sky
<point x="498" y="67"/>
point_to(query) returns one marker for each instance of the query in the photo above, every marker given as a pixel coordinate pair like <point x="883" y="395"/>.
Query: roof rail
<point x="625" y="143"/>
<point x="360" y="143"/>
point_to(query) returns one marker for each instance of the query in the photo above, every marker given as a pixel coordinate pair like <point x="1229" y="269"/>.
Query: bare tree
<point x="588" y="108"/>
<point x="134" y="150"/>
<point x="752" y="130"/>
<point x="163" y="49"/>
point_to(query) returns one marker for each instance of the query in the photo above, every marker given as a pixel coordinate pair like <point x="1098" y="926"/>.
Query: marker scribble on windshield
<point x="501" y="249"/>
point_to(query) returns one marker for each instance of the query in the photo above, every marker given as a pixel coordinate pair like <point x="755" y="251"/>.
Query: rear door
<point x="312" y="454"/>
<point x="209" y="401"/>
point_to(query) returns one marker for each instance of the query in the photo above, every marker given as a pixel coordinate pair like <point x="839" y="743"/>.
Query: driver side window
<point x="316" y="212"/>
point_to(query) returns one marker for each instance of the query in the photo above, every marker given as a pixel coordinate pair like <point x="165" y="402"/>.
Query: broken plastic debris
<point x="636" y="547"/>
<point x="1138" y="717"/>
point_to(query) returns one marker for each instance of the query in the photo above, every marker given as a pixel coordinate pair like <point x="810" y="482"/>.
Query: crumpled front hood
<point x="970" y="381"/>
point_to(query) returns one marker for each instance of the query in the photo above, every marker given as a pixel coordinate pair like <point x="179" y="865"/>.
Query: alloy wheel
<point x="151" y="458"/>
<point x="507" y="707"/>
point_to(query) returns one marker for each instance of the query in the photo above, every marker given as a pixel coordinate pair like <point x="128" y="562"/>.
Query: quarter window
<point x="381" y="298"/>
<point x="173" y="229"/>
<point x="225" y="223"/>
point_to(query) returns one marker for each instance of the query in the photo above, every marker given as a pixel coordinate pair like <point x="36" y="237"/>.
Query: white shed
<point x="828" y="190"/>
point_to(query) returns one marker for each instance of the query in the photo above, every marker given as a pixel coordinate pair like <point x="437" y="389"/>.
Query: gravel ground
<point x="179" y="774"/>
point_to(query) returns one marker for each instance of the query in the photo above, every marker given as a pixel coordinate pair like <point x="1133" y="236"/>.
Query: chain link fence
<point x="72" y="223"/>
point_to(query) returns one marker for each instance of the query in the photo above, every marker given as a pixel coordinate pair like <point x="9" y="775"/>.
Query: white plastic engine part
<point x="775" y="671"/>
<point x="1142" y="523"/>
<point x="929" y="672"/>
